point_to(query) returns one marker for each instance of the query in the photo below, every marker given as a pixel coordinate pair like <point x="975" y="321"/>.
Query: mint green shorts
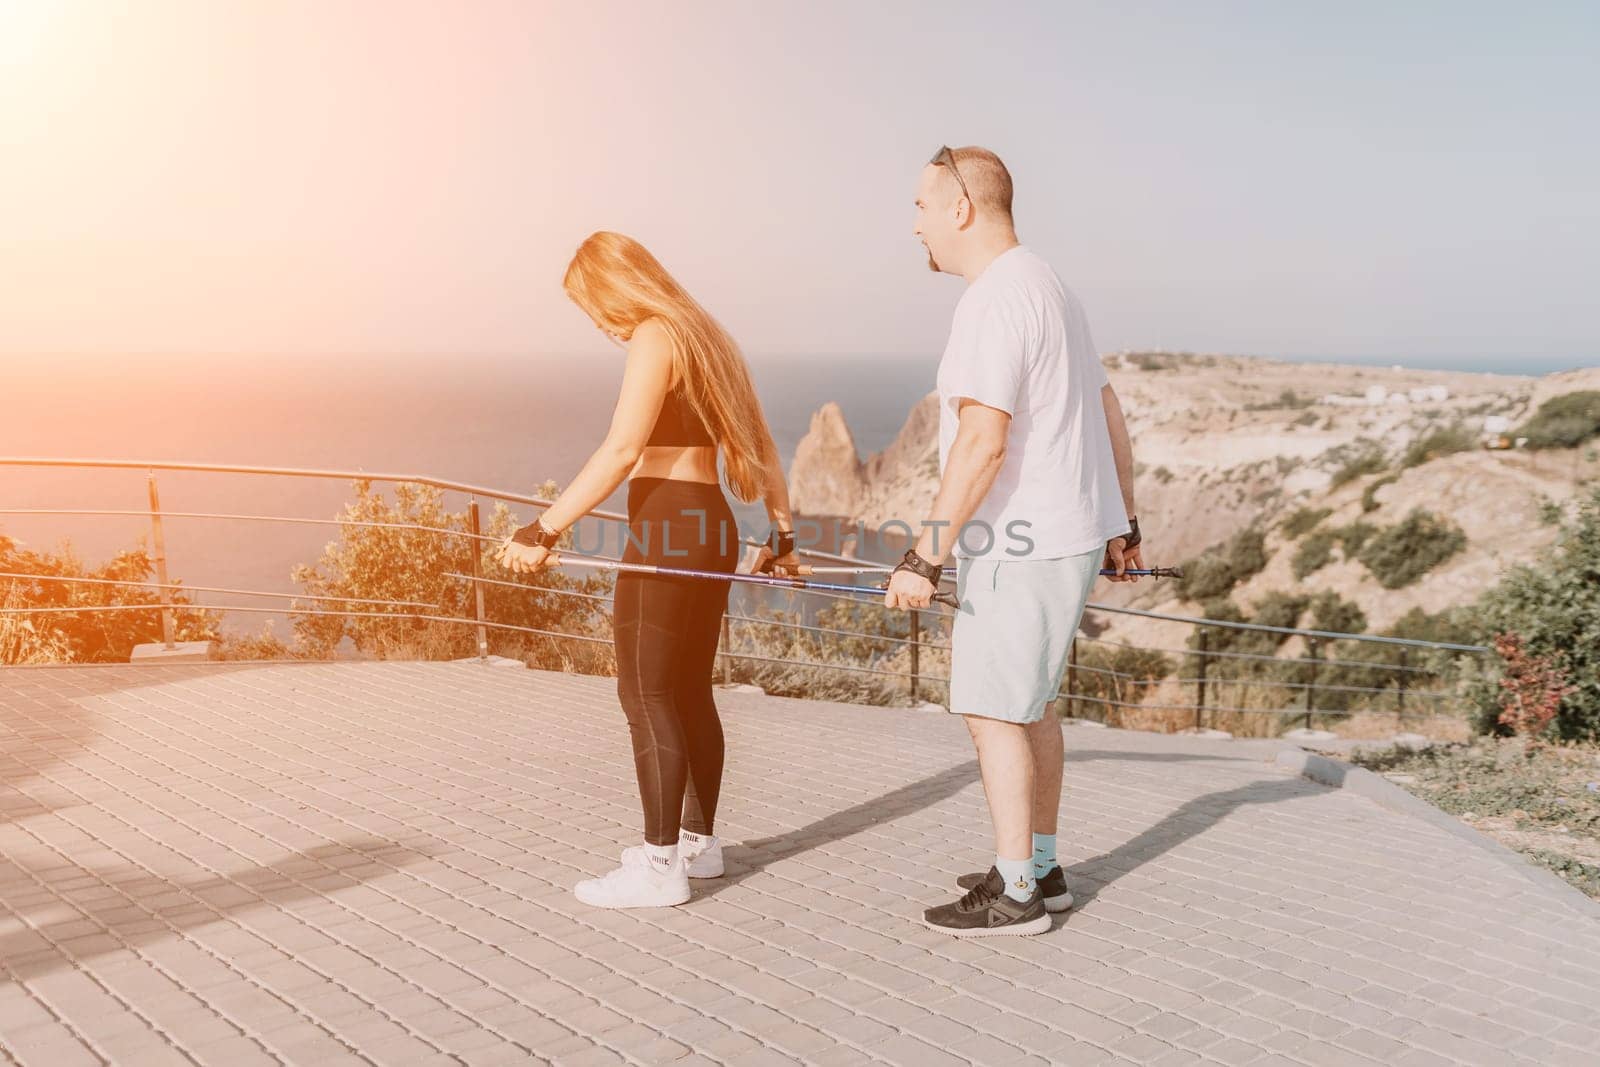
<point x="1012" y="636"/>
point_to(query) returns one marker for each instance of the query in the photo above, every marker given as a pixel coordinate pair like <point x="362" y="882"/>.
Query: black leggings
<point x="666" y="633"/>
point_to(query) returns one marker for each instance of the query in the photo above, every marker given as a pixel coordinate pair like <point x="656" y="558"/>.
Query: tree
<point x="404" y="552"/>
<point x="86" y="636"/>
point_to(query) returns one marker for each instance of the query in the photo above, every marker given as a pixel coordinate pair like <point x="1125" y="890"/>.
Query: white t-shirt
<point x="1020" y="343"/>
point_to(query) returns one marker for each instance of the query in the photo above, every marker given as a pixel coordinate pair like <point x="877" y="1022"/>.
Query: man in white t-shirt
<point x="1035" y="494"/>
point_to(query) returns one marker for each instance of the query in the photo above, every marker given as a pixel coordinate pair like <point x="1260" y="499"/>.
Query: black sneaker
<point x="1053" y="887"/>
<point x="986" y="910"/>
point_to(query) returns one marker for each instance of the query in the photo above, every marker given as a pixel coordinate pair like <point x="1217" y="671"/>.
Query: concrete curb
<point x="1381" y="791"/>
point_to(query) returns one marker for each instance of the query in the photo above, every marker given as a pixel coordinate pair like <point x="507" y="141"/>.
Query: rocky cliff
<point x="1225" y="443"/>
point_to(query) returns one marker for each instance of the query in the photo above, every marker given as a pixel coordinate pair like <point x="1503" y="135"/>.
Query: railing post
<point x="916" y="651"/>
<point x="1072" y="678"/>
<point x="161" y="564"/>
<point x="1311" y="682"/>
<point x="1400" y="692"/>
<point x="476" y="552"/>
<point x="1200" y="683"/>
<point x="727" y="658"/>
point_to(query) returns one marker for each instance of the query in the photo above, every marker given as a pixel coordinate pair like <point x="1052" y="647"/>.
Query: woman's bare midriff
<point x="684" y="463"/>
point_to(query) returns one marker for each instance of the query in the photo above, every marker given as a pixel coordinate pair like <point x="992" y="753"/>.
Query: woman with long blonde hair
<point x="686" y="397"/>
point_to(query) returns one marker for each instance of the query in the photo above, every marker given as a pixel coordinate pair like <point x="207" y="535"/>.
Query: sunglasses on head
<point x="946" y="158"/>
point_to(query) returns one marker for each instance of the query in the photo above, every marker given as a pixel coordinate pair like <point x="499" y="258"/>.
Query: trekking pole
<point x="1141" y="572"/>
<point x="566" y="559"/>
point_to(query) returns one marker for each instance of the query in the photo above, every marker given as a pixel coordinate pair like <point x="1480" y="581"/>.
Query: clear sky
<point x="370" y="176"/>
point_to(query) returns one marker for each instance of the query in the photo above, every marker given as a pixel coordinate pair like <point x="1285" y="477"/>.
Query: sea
<point x="506" y="423"/>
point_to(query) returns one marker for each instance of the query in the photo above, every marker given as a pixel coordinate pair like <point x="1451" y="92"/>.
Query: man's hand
<point x="908" y="590"/>
<point x="525" y="559"/>
<point x="1119" y="558"/>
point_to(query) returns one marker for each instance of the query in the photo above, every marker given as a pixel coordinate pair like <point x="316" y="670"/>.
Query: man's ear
<point x="963" y="212"/>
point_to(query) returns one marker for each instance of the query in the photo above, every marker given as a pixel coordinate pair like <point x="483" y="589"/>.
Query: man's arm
<point x="975" y="459"/>
<point x="969" y="471"/>
<point x="1119" y="558"/>
<point x="1121" y="446"/>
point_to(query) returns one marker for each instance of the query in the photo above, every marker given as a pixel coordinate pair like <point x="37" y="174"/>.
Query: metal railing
<point x="1103" y="679"/>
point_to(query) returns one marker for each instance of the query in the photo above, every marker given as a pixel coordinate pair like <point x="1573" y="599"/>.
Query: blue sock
<point x="1044" y="854"/>
<point x="1019" y="878"/>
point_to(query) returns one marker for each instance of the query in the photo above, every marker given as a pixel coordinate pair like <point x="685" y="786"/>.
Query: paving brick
<point x="374" y="860"/>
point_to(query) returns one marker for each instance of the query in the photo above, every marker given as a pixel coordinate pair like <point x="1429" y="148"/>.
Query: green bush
<point x="1352" y="536"/>
<point x="1404" y="552"/>
<point x="1205" y="577"/>
<point x="1303" y="521"/>
<point x="1370" y="462"/>
<point x="1314" y="553"/>
<point x="1442" y="442"/>
<point x="1247" y="554"/>
<point x="1219" y="568"/>
<point x="1280" y="609"/>
<point x="1222" y="609"/>
<point x="1330" y="611"/>
<point x="1369" y="495"/>
<point x="1564" y="421"/>
<point x="1554" y="606"/>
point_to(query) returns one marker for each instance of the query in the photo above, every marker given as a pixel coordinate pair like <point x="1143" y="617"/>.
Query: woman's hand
<point x="525" y="559"/>
<point x="778" y="566"/>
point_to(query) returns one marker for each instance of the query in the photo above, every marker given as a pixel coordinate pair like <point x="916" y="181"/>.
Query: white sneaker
<point x="638" y="883"/>
<point x="705" y="862"/>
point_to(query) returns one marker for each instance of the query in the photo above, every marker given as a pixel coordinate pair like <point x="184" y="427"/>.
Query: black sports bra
<point x="678" y="424"/>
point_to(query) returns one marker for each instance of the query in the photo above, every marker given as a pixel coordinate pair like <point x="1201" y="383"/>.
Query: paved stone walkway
<point x="371" y="863"/>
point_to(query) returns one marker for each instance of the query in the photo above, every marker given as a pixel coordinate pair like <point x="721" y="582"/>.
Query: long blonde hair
<point x="619" y="284"/>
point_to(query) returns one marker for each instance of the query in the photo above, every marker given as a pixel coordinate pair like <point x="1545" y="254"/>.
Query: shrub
<point x="1280" y="609"/>
<point x="1205" y="577"/>
<point x="1442" y="442"/>
<point x="1223" y="610"/>
<point x="1352" y="536"/>
<point x="408" y="560"/>
<point x="1404" y="552"/>
<point x="1367" y="463"/>
<point x="1247" y="554"/>
<point x="787" y="661"/>
<point x="263" y="646"/>
<point x="1369" y="495"/>
<point x="1554" y="608"/>
<point x="1152" y="360"/>
<point x="1303" y="521"/>
<point x="1451" y="626"/>
<point x="89" y="636"/>
<point x="1564" y="421"/>
<point x="1314" y="553"/>
<point x="1531" y="687"/>
<point x="1330" y="611"/>
<point x="1116" y="675"/>
<point x="1219" y="568"/>
<point x="1288" y="398"/>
